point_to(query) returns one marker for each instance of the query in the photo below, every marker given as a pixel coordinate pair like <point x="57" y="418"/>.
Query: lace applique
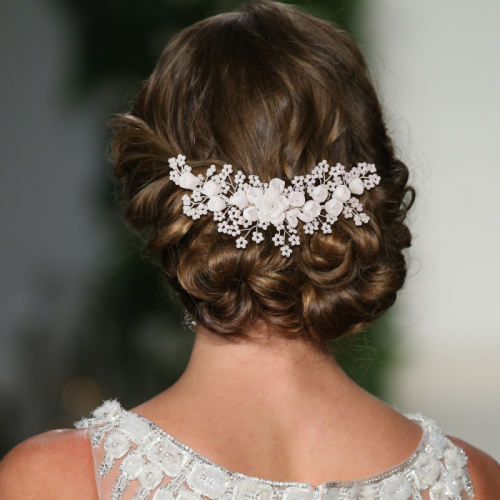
<point x="136" y="460"/>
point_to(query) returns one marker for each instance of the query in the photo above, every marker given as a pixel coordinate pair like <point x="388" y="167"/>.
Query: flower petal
<point x="188" y="181"/>
<point x="278" y="184"/>
<point x="216" y="204"/>
<point x="342" y="193"/>
<point x="356" y="186"/>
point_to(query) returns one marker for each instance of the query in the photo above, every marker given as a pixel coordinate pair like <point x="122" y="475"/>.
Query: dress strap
<point x="136" y="460"/>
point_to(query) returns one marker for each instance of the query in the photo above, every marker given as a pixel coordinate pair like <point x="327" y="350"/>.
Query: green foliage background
<point x="132" y="345"/>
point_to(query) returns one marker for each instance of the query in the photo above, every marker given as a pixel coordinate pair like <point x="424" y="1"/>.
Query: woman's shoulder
<point x="54" y="465"/>
<point x="59" y="465"/>
<point x="484" y="471"/>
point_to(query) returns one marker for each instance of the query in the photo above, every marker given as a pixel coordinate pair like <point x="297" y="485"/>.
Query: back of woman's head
<point x="271" y="91"/>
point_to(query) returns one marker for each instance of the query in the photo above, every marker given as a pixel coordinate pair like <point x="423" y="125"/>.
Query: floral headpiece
<point x="242" y="207"/>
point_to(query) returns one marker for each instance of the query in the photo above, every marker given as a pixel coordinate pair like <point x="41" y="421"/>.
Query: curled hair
<point x="272" y="91"/>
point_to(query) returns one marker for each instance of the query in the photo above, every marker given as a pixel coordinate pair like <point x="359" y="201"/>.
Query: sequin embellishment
<point x="132" y="452"/>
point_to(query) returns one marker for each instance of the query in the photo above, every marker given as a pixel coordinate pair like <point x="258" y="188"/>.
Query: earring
<point x="188" y="321"/>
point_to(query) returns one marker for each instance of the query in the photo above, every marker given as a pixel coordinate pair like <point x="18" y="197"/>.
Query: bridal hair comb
<point x="241" y="207"/>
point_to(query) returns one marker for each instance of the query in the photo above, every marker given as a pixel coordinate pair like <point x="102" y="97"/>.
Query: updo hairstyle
<point x="272" y="91"/>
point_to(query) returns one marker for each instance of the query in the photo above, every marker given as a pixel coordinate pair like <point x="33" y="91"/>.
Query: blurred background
<point x="84" y="315"/>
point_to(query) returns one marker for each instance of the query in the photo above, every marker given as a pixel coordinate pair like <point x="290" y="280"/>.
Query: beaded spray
<point x="242" y="207"/>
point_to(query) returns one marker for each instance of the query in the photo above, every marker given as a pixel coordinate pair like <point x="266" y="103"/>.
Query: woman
<point x="298" y="243"/>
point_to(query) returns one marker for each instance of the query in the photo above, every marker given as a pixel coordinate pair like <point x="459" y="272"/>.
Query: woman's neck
<point x="279" y="373"/>
<point x="271" y="406"/>
<point x="269" y="381"/>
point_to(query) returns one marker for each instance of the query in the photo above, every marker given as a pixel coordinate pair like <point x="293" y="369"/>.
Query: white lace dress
<point x="136" y="460"/>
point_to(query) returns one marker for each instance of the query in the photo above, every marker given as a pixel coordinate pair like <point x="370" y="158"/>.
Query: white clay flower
<point x="273" y="205"/>
<point x="342" y="193"/>
<point x="263" y="218"/>
<point x="278" y="184"/>
<point x="296" y="198"/>
<point x="239" y="199"/>
<point x="216" y="204"/>
<point x="254" y="193"/>
<point x="291" y="217"/>
<point x="286" y="251"/>
<point x="278" y="220"/>
<point x="211" y="188"/>
<point x="188" y="181"/>
<point x="251" y="213"/>
<point x="310" y="211"/>
<point x="334" y="207"/>
<point x="356" y="186"/>
<point x="319" y="194"/>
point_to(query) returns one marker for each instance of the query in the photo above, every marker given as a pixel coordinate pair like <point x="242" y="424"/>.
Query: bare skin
<point x="271" y="408"/>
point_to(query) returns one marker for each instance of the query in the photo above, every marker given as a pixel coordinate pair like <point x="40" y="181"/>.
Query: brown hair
<point x="272" y="91"/>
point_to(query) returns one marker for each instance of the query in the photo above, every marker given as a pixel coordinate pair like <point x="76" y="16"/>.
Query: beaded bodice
<point x="136" y="460"/>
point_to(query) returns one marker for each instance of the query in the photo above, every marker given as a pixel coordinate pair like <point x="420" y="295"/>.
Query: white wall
<point x="438" y="67"/>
